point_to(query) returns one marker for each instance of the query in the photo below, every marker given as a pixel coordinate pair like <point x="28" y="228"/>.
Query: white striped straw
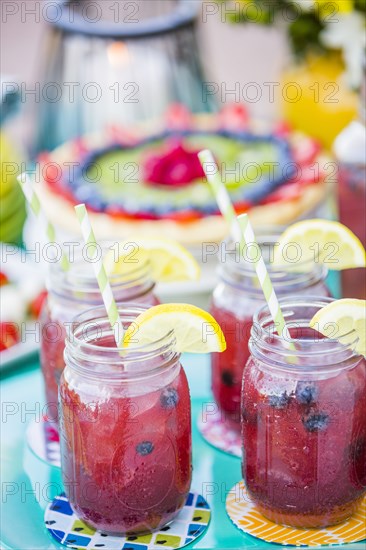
<point x="242" y="232"/>
<point x="264" y="279"/>
<point x="222" y="196"/>
<point x="100" y="274"/>
<point x="35" y="204"/>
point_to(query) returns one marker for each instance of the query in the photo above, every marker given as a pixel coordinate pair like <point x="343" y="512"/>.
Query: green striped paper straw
<point x="101" y="276"/>
<point x="242" y="232"/>
<point x="222" y="196"/>
<point x="35" y="204"/>
<point x="264" y="279"/>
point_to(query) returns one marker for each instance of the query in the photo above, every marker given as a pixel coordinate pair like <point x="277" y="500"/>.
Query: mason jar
<point x="235" y="299"/>
<point x="71" y="293"/>
<point x="125" y="427"/>
<point x="303" y="420"/>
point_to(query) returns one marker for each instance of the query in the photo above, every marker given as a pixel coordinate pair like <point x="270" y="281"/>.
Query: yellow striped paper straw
<point x="101" y="276"/>
<point x="35" y="204"/>
<point x="242" y="232"/>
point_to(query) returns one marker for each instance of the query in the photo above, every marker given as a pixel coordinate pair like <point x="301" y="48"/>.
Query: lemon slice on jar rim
<point x="319" y="241"/>
<point x="195" y="330"/>
<point x="343" y="320"/>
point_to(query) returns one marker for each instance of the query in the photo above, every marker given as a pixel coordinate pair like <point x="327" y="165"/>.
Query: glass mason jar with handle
<point x="71" y="293"/>
<point x="235" y="300"/>
<point x="303" y="421"/>
<point x="125" y="427"/>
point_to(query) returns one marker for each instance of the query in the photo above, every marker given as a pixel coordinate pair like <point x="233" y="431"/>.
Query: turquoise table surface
<point x="28" y="483"/>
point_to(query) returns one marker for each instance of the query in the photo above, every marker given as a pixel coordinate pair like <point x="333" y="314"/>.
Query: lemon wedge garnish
<point x="195" y="330"/>
<point x="319" y="241"/>
<point x="345" y="321"/>
<point x="169" y="261"/>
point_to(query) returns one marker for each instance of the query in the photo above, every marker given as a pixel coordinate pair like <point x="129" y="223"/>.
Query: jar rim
<point x="268" y="345"/>
<point x="80" y="279"/>
<point x="82" y="347"/>
<point x="242" y="275"/>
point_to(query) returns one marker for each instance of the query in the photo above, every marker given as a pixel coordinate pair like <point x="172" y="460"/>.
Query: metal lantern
<point x="116" y="63"/>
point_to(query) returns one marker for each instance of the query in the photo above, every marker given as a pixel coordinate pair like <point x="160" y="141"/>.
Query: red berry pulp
<point x="227" y="367"/>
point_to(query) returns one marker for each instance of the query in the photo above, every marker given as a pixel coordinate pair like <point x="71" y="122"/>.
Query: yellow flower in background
<point x="333" y="7"/>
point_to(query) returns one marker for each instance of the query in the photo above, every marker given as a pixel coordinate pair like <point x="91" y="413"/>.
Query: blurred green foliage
<point x="304" y="20"/>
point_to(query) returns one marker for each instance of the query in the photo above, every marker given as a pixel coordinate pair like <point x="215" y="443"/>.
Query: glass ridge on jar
<point x="71" y="293"/>
<point x="125" y="428"/>
<point x="303" y="421"/>
<point x="235" y="300"/>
